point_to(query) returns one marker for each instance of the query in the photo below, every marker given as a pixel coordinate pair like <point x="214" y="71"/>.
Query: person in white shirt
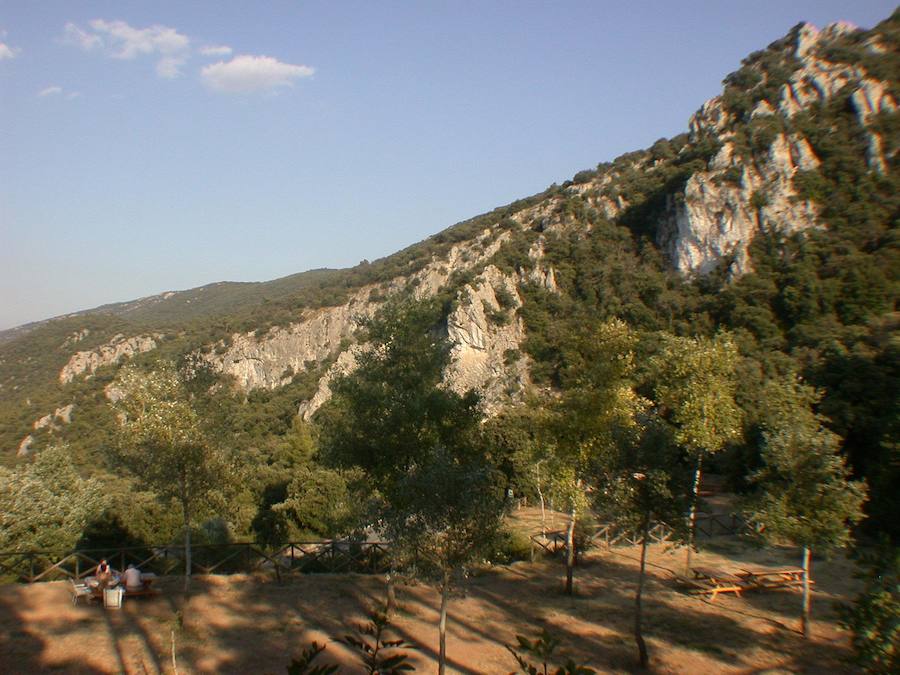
<point x="133" y="579"/>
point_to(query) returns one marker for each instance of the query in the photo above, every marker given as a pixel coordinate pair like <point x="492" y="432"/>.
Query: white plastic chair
<point x="80" y="590"/>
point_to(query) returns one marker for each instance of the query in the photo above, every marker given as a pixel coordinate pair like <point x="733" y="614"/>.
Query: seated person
<point x="133" y="580"/>
<point x="105" y="574"/>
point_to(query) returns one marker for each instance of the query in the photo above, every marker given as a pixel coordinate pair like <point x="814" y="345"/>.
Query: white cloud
<point x="7" y="52"/>
<point x="119" y="40"/>
<point x="220" y="50"/>
<point x="247" y="74"/>
<point x="56" y="90"/>
<point x="169" y="66"/>
<point x="74" y="35"/>
<point x="125" y="42"/>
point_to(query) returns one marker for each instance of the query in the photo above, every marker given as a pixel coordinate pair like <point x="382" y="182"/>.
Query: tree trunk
<point x="445" y="598"/>
<point x="804" y="617"/>
<point x="638" y="609"/>
<point x="537" y="473"/>
<point x="391" y="603"/>
<point x="570" y="553"/>
<point x="692" y="525"/>
<point x="185" y="508"/>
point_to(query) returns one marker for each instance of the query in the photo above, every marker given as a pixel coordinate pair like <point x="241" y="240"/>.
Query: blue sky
<point x="153" y="146"/>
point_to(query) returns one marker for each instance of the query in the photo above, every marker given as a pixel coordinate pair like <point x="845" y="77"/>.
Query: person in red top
<point x="104" y="573"/>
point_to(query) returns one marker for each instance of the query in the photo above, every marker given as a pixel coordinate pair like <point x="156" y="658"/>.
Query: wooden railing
<point x="327" y="556"/>
<point x="707" y="525"/>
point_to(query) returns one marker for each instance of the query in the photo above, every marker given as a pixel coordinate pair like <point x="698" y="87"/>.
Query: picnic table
<point x="711" y="581"/>
<point x="789" y="577"/>
<point x="117" y="580"/>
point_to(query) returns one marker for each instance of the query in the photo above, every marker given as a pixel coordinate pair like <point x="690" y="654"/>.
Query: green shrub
<point x="512" y="545"/>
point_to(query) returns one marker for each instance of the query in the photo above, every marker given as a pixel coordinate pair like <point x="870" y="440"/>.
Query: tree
<point x="804" y="494"/>
<point x="638" y="486"/>
<point x="393" y="407"/>
<point x="163" y="445"/>
<point x="327" y="502"/>
<point x="45" y="504"/>
<point x="443" y="515"/>
<point x="418" y="443"/>
<point x="597" y="413"/>
<point x="874" y="618"/>
<point x="695" y="385"/>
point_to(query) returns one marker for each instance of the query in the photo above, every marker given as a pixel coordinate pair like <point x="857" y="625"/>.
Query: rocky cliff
<point x="723" y="207"/>
<point x="113" y="352"/>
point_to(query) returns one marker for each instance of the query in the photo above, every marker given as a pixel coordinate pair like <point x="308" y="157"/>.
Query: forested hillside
<point x="773" y="222"/>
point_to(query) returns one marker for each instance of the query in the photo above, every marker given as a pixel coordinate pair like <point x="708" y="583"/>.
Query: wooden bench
<point x="709" y="587"/>
<point x="774" y="579"/>
<point x="709" y="581"/>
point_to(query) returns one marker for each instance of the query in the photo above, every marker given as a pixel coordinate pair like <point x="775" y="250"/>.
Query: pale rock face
<point x="539" y="274"/>
<point x="345" y="363"/>
<point x="114" y="351"/>
<point x="716" y="217"/>
<point x="480" y="344"/>
<point x="25" y="448"/>
<point x="62" y="415"/>
<point x="264" y="361"/>
<point x="43" y="422"/>
<point x="113" y="393"/>
<point x="77" y="336"/>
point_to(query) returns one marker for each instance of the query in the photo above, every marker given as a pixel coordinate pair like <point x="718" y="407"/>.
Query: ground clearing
<point x="245" y="624"/>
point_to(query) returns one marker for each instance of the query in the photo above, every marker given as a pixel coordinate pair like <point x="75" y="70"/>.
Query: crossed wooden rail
<point x="708" y="525"/>
<point x="303" y="556"/>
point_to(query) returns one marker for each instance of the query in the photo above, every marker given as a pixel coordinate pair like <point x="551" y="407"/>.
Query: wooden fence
<point x="707" y="525"/>
<point x="328" y="556"/>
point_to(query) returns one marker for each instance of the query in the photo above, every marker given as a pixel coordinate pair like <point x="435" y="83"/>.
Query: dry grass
<point x="244" y="624"/>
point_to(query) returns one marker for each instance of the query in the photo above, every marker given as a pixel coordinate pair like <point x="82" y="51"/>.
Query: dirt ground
<point x="246" y="624"/>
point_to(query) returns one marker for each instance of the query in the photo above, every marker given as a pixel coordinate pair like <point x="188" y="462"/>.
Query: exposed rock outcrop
<point x="113" y="352"/>
<point x="269" y="360"/>
<point x="486" y="335"/>
<point x="62" y="415"/>
<point x="722" y="208"/>
<point x="25" y="448"/>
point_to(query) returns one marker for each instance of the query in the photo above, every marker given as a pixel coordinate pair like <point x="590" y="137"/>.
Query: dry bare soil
<point x="248" y="624"/>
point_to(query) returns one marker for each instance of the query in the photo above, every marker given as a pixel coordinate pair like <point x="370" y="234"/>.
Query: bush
<point x="512" y="545"/>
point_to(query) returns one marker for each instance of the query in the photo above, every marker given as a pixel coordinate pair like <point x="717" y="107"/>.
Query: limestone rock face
<point x="345" y="363"/>
<point x="25" y="448"/>
<point x="62" y="415"/>
<point x="114" y="351"/>
<point x="270" y="359"/>
<point x="484" y="331"/>
<point x="486" y="335"/>
<point x="723" y="207"/>
<point x="716" y="218"/>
